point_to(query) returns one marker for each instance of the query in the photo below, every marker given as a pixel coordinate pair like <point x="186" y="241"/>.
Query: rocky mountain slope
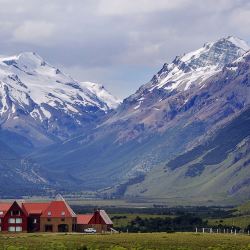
<point x="215" y="172"/>
<point x="44" y="105"/>
<point x="19" y="176"/>
<point x="174" y="87"/>
<point x="183" y="105"/>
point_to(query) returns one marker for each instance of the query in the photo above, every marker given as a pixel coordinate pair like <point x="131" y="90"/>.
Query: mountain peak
<point x="193" y="68"/>
<point x="220" y="52"/>
<point x="53" y="103"/>
<point x="100" y="91"/>
<point x="234" y="40"/>
<point x="238" y="42"/>
<point x="24" y="59"/>
<point x="28" y="55"/>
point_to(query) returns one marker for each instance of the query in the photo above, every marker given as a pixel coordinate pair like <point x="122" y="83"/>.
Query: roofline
<point x="70" y="209"/>
<point x="22" y="207"/>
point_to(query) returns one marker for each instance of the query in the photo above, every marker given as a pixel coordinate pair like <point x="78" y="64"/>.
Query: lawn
<point x="180" y="241"/>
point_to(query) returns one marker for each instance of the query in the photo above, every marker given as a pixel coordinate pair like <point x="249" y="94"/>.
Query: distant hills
<point x="183" y="136"/>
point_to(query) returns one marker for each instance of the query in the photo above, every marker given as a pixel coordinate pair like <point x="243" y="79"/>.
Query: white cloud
<point x="240" y="20"/>
<point x="124" y="7"/>
<point x="5" y="26"/>
<point x="120" y="43"/>
<point x="34" y="32"/>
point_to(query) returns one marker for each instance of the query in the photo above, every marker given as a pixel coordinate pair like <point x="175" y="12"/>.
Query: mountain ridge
<point x="184" y="105"/>
<point x="143" y="133"/>
<point x="43" y="104"/>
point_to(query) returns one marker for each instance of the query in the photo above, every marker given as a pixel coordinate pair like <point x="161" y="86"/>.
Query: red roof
<point x="83" y="219"/>
<point x="4" y="207"/>
<point x="35" y="208"/>
<point x="58" y="209"/>
<point x="105" y="217"/>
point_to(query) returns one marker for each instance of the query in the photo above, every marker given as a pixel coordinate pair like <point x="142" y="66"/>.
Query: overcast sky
<point x="119" y="43"/>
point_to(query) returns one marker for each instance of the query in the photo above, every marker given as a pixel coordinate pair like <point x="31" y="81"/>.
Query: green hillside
<point x="92" y="165"/>
<point x="244" y="209"/>
<point x="216" y="171"/>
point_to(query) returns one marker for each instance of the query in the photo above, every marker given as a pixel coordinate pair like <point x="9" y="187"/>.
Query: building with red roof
<point x="34" y="212"/>
<point x="12" y="218"/>
<point x="53" y="216"/>
<point x="83" y="219"/>
<point x="58" y="217"/>
<point x="4" y="207"/>
<point x="99" y="220"/>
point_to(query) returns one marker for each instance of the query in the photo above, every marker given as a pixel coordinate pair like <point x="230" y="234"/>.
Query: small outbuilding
<point x="99" y="220"/>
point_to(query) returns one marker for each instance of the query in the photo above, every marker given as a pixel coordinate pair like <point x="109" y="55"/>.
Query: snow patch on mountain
<point x="100" y="91"/>
<point x="28" y="76"/>
<point x="239" y="43"/>
<point x="195" y="67"/>
<point x="34" y="92"/>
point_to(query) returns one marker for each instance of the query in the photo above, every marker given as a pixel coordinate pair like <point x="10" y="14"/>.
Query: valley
<point x="178" y="139"/>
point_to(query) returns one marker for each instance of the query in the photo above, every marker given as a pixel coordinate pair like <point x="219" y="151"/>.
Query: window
<point x="19" y="229"/>
<point x="15" y="229"/>
<point x="49" y="213"/>
<point x="11" y="229"/>
<point x="35" y="221"/>
<point x="19" y="220"/>
<point x="15" y="212"/>
<point x="48" y="219"/>
<point x="63" y="213"/>
<point x="62" y="219"/>
<point x="11" y="220"/>
<point x="1" y="212"/>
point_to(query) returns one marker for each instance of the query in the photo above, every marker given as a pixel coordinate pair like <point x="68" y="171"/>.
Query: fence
<point x="222" y="230"/>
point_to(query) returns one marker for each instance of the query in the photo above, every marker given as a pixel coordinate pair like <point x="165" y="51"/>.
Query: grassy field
<point x="122" y="220"/>
<point x="239" y="221"/>
<point x="180" y="241"/>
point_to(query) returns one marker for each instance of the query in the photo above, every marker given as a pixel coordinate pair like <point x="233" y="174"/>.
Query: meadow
<point x="124" y="219"/>
<point x="140" y="241"/>
<point x="238" y="221"/>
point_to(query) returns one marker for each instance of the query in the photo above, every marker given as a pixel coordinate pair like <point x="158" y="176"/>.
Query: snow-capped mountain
<point x="42" y="103"/>
<point x="100" y="91"/>
<point x="155" y="105"/>
<point x="190" y="108"/>
<point x="194" y="68"/>
<point x="184" y="105"/>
